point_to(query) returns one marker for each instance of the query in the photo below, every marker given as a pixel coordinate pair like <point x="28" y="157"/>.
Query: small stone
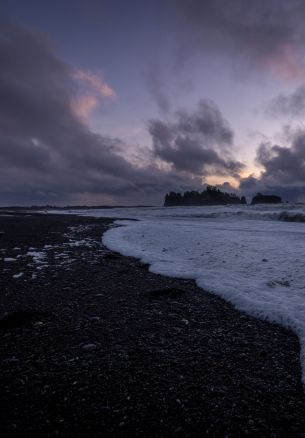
<point x="11" y="360"/>
<point x="95" y="318"/>
<point x="88" y="347"/>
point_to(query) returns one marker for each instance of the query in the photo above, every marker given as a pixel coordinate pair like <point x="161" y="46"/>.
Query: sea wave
<point x="291" y="217"/>
<point x="284" y="216"/>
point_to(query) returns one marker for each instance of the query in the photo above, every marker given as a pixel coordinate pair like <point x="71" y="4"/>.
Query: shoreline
<point x="125" y="352"/>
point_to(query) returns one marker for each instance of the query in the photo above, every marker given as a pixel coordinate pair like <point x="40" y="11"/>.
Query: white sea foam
<point x="253" y="257"/>
<point x="38" y="256"/>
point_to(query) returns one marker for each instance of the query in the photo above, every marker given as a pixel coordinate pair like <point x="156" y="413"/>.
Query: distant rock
<point x="266" y="199"/>
<point x="211" y="196"/>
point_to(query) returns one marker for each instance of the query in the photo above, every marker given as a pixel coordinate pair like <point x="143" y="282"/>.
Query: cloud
<point x="96" y="82"/>
<point x="291" y="105"/>
<point x="199" y="142"/>
<point x="283" y="169"/>
<point x="92" y="90"/>
<point x="156" y="88"/>
<point x="49" y="155"/>
<point x="83" y="106"/>
<point x="267" y="35"/>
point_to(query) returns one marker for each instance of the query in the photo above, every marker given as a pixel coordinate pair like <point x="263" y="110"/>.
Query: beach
<point x="93" y="344"/>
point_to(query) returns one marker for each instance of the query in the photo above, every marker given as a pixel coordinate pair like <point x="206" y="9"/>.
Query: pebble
<point x="178" y="378"/>
<point x="95" y="318"/>
<point x="88" y="347"/>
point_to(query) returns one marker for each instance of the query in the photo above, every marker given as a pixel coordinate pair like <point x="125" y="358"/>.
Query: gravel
<point x="94" y="345"/>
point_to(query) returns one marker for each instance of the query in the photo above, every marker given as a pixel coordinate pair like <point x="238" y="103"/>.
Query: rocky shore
<point x="94" y="345"/>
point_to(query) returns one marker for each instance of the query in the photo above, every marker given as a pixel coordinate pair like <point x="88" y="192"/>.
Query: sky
<point x="117" y="103"/>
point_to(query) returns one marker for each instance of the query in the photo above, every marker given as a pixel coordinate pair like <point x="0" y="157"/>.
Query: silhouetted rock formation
<point x="210" y="196"/>
<point x="266" y="199"/>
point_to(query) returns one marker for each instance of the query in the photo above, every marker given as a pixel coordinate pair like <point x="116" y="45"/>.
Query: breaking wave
<point x="290" y="217"/>
<point x="285" y="216"/>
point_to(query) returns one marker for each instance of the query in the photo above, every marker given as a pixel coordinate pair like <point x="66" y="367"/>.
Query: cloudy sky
<point x="117" y="102"/>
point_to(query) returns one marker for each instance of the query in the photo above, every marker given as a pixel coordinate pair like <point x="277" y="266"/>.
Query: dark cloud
<point x="266" y="33"/>
<point x="284" y="165"/>
<point x="291" y="105"/>
<point x="198" y="142"/>
<point x="283" y="170"/>
<point x="47" y="153"/>
<point x="157" y="89"/>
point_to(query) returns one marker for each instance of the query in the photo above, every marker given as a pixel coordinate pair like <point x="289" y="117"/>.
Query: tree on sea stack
<point x="210" y="196"/>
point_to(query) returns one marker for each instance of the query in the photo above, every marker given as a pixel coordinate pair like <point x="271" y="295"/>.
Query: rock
<point x="112" y="256"/>
<point x="266" y="199"/>
<point x="11" y="360"/>
<point x="169" y="292"/>
<point x="88" y="347"/>
<point x="210" y="196"/>
<point x="22" y="318"/>
<point x="95" y="318"/>
<point x="263" y="354"/>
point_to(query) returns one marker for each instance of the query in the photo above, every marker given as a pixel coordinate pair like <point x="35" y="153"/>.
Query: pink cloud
<point x="96" y="82"/>
<point x="91" y="92"/>
<point x="286" y="64"/>
<point x="83" y="107"/>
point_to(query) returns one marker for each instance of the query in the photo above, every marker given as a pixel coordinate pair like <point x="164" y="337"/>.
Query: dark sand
<point x="107" y="349"/>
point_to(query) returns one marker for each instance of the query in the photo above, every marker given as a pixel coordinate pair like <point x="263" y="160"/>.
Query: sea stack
<point x="266" y="199"/>
<point x="210" y="196"/>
